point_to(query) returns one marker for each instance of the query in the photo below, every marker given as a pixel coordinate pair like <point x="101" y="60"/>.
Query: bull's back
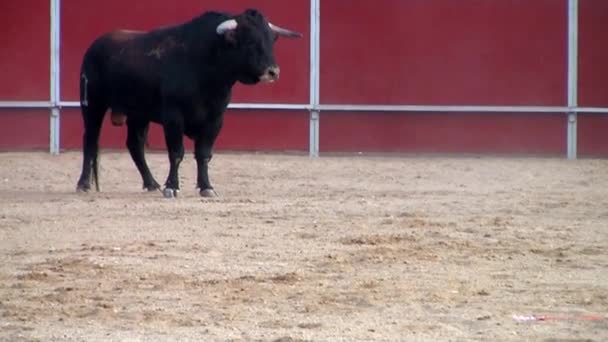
<point x="122" y="71"/>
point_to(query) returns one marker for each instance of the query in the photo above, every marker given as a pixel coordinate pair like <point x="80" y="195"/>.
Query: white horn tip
<point x="284" y="32"/>
<point x="227" y="25"/>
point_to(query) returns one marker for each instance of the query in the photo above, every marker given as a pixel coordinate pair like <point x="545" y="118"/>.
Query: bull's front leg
<point x="174" y="138"/>
<point x="203" y="147"/>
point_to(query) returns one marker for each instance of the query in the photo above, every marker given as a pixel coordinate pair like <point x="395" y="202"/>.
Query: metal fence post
<point x="572" y="78"/>
<point x="315" y="24"/>
<point x="54" y="145"/>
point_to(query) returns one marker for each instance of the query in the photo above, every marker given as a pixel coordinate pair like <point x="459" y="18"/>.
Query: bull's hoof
<point x="208" y="193"/>
<point x="152" y="188"/>
<point x="81" y="189"/>
<point x="170" y="193"/>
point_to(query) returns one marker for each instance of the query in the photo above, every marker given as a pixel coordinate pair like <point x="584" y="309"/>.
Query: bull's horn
<point x="284" y="32"/>
<point x="227" y="25"/>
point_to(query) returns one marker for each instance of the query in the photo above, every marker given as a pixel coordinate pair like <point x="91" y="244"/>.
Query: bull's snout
<point x="271" y="74"/>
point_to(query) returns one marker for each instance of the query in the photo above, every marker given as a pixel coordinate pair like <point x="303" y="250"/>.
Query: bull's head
<point x="250" y="39"/>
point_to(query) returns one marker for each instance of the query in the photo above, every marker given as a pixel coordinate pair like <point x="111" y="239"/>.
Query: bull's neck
<point x="214" y="70"/>
<point x="218" y="76"/>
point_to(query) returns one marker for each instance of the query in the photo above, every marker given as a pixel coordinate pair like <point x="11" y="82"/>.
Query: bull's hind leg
<point x="136" y="137"/>
<point x="93" y="120"/>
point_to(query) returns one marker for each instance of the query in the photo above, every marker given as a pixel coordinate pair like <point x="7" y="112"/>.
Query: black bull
<point x="180" y="77"/>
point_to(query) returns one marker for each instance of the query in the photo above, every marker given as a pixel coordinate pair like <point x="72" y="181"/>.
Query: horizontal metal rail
<point x="277" y="106"/>
<point x="355" y="108"/>
<point x="600" y="110"/>
<point x="25" y="104"/>
<point x="431" y="108"/>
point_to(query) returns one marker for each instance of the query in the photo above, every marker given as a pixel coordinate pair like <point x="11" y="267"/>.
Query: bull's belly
<point x="119" y="115"/>
<point x="142" y="105"/>
<point x="138" y="103"/>
<point x="118" y="118"/>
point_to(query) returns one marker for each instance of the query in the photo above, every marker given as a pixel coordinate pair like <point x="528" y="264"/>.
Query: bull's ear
<point x="230" y="37"/>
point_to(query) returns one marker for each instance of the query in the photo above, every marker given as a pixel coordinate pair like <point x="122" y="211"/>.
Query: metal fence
<point x="315" y="107"/>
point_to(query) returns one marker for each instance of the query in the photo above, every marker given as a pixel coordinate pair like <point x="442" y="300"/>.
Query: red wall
<point x="83" y="21"/>
<point x="24" y="69"/>
<point x="24" y="50"/>
<point x="443" y="132"/>
<point x="444" y="52"/>
<point x="433" y="52"/>
<point x="24" y="129"/>
<point x="593" y="53"/>
<point x="593" y="76"/>
<point x="243" y="130"/>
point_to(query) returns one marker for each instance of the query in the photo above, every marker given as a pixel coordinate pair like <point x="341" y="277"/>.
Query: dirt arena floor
<point x="359" y="248"/>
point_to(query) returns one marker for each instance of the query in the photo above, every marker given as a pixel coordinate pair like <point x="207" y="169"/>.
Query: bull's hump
<point x="122" y="35"/>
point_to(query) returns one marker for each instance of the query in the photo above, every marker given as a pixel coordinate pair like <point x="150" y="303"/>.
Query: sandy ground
<point x="294" y="249"/>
